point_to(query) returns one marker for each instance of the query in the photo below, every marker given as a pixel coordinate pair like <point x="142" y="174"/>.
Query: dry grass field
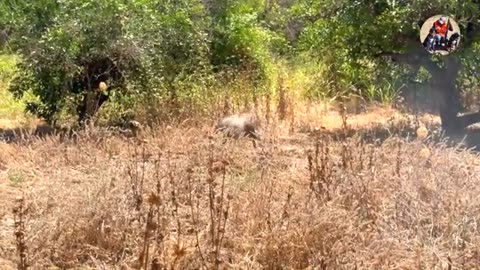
<point x="180" y="198"/>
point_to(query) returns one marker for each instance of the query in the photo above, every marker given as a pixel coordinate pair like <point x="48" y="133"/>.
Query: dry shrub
<point x="282" y="106"/>
<point x="181" y="199"/>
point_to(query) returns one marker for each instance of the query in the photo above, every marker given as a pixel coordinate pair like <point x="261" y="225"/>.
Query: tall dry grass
<point x="181" y="199"/>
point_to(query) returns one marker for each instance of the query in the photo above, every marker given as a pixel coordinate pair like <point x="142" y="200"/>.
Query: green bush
<point x="156" y="57"/>
<point x="176" y="58"/>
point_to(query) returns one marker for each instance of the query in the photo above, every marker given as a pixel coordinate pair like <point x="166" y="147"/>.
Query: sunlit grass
<point x="10" y="108"/>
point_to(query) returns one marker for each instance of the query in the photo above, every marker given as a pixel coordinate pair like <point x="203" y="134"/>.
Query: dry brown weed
<point x="181" y="199"/>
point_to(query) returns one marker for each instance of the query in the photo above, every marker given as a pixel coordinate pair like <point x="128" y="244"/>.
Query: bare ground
<point x="180" y="199"/>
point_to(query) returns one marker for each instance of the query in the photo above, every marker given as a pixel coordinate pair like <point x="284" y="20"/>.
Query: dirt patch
<point x="375" y="116"/>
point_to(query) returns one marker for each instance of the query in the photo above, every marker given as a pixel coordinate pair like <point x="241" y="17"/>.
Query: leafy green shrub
<point x="136" y="50"/>
<point x="9" y="107"/>
<point x="157" y="58"/>
<point x="240" y="42"/>
<point x="349" y="35"/>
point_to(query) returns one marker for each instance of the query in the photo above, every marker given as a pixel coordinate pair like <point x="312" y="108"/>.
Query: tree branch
<point x="469" y="119"/>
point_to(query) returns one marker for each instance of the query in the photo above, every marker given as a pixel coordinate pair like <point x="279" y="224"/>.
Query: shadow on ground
<point x="45" y="131"/>
<point x="468" y="139"/>
<point x="377" y="134"/>
<point x="11" y="135"/>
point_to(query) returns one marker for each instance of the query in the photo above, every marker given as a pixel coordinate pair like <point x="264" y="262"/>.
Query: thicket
<point x="179" y="58"/>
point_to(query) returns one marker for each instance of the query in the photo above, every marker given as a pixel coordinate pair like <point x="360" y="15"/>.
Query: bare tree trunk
<point x="443" y="81"/>
<point x="90" y="105"/>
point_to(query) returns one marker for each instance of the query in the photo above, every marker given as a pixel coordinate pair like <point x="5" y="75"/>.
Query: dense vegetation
<point x="162" y="58"/>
